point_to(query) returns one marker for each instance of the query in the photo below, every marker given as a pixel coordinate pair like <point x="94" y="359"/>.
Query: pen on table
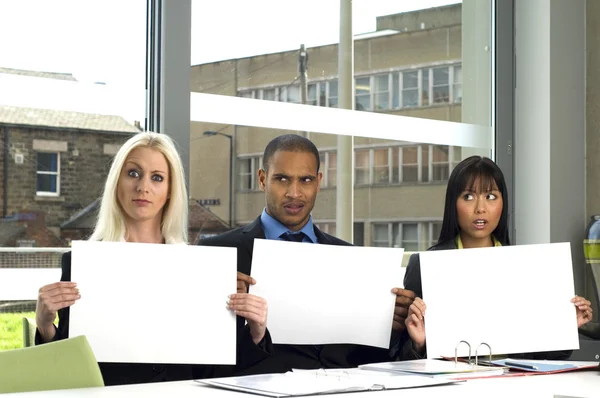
<point x="521" y="365"/>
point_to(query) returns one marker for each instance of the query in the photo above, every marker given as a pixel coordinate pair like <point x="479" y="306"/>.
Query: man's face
<point x="291" y="184"/>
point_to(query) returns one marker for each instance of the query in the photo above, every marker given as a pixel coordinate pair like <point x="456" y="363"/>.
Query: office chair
<point x="63" y="364"/>
<point x="29" y="328"/>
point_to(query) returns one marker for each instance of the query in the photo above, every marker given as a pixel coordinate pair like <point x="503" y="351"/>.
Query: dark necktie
<point x="293" y="237"/>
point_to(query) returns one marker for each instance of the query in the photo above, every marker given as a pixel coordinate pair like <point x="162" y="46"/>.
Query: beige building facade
<point x="411" y="66"/>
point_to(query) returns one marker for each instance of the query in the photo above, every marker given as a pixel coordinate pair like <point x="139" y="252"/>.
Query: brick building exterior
<point x="55" y="162"/>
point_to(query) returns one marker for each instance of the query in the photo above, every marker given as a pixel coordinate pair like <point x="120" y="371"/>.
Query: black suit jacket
<point x="412" y="281"/>
<point x="284" y="357"/>
<point x="133" y="373"/>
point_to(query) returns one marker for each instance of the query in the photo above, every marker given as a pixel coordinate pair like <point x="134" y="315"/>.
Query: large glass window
<point x="404" y="68"/>
<point x="72" y="91"/>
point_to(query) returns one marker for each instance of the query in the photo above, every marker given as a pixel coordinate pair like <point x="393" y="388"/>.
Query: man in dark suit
<point x="291" y="180"/>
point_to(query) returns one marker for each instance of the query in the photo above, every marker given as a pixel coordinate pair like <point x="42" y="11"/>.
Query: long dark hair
<point x="463" y="177"/>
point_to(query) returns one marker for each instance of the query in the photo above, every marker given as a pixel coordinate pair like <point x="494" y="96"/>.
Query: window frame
<point x="255" y="165"/>
<point x="51" y="173"/>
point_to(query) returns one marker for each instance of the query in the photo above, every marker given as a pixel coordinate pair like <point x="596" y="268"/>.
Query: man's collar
<point x="273" y="228"/>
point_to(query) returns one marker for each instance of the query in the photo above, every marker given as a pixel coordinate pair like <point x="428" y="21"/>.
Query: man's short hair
<point x="290" y="143"/>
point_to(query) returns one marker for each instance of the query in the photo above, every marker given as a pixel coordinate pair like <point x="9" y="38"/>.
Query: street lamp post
<point x="211" y="134"/>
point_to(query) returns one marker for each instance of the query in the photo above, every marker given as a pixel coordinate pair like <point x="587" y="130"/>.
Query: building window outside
<point x="362" y="94"/>
<point x="362" y="166"/>
<point x="381" y="166"/>
<point x="409" y="238"/>
<point x="410" y="89"/>
<point x="268" y="94"/>
<point x="441" y="85"/>
<point x="292" y="94"/>
<point x="425" y="88"/>
<point x="381" y="235"/>
<point x="395" y="90"/>
<point x="396" y="164"/>
<point x="457" y="84"/>
<point x="247" y="172"/>
<point x="404" y="164"/>
<point x="410" y="164"/>
<point x="435" y="227"/>
<point x="440" y="163"/>
<point x="331" y="168"/>
<point x="425" y="163"/>
<point x="381" y="92"/>
<point x="412" y="236"/>
<point x="332" y="94"/>
<point x="311" y="94"/>
<point x="48" y="174"/>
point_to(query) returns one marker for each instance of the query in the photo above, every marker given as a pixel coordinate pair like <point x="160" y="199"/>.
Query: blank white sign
<point x="514" y="298"/>
<point x="325" y="294"/>
<point x="152" y="303"/>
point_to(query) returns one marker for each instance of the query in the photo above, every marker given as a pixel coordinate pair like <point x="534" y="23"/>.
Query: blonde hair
<point x="110" y="225"/>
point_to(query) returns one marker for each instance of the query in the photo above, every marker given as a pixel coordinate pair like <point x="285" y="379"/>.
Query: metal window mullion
<point x="451" y="84"/>
<point x="419" y="163"/>
<point x="326" y="170"/>
<point x="401" y="90"/>
<point x="372" y="93"/>
<point x="430" y="163"/>
<point x="390" y="87"/>
<point x="450" y="158"/>
<point x="371" y="166"/>
<point x="400" y="165"/>
<point x="390" y="165"/>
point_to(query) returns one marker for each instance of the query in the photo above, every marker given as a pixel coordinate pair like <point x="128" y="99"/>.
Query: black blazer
<point x="286" y="356"/>
<point x="133" y="373"/>
<point x="412" y="281"/>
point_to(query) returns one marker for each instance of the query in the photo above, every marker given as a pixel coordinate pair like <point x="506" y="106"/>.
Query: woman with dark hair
<point x="475" y="215"/>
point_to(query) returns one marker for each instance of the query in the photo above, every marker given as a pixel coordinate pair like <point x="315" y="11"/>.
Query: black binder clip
<point x="456" y="351"/>
<point x="477" y="355"/>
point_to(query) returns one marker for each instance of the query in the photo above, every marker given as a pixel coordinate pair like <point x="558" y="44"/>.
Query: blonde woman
<point x="144" y="200"/>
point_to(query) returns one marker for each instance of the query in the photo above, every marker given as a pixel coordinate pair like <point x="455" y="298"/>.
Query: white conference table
<point x="574" y="384"/>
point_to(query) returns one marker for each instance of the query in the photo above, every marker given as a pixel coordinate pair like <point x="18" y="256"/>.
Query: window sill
<point x="41" y="198"/>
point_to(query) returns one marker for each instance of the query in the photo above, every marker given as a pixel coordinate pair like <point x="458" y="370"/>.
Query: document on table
<point x="151" y="303"/>
<point x="515" y="299"/>
<point x="544" y="366"/>
<point x="435" y="368"/>
<point x="325" y="294"/>
<point x="320" y="381"/>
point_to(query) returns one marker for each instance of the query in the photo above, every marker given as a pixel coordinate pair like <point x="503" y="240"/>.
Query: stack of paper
<point x="313" y="382"/>
<point x="436" y="368"/>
